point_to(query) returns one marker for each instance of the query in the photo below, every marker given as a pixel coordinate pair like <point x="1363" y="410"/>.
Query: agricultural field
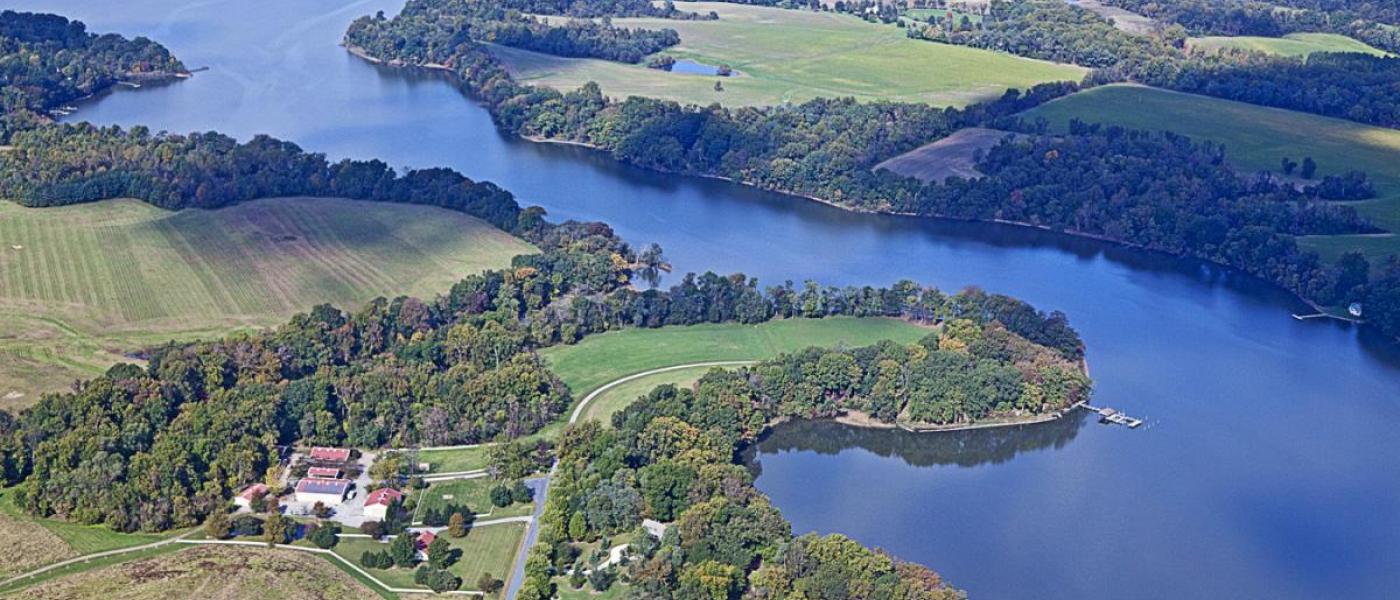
<point x="1124" y="20"/>
<point x="1293" y="44"/>
<point x="606" y="357"/>
<point x="78" y="284"/>
<point x="951" y="156"/>
<point x="793" y="56"/>
<point x="1257" y="138"/>
<point x="227" y="573"/>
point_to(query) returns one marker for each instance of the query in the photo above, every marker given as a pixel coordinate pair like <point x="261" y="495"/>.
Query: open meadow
<point x="602" y="358"/>
<point x="1293" y="44"/>
<point x="1257" y="138"/>
<point x="81" y="285"/>
<point x="792" y="56"/>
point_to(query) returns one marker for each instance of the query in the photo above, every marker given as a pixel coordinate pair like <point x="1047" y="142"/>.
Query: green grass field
<point x="489" y="549"/>
<point x="602" y="358"/>
<point x="79" y="285"/>
<point x="1293" y="44"/>
<point x="617" y="398"/>
<point x="454" y="461"/>
<point x="1257" y="138"/>
<point x="474" y="493"/>
<point x="793" y="56"/>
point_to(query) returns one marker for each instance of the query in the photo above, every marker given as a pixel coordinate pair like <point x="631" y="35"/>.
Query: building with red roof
<point x="246" y="497"/>
<point x="330" y="454"/>
<point x="323" y="472"/>
<point x="378" y="502"/>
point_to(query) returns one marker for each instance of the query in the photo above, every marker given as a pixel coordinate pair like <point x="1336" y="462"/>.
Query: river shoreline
<point x="361" y="53"/>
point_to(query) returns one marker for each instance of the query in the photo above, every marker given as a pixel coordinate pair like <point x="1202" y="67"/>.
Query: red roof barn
<point x="330" y="454"/>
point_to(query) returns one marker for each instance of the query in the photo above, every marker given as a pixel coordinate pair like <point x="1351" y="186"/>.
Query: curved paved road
<point x="578" y="410"/>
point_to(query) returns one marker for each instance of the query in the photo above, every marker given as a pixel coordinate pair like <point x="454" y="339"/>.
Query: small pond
<point x="685" y="65"/>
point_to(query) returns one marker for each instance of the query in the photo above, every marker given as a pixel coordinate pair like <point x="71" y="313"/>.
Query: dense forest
<point x="515" y="24"/>
<point x="58" y="164"/>
<point x="578" y="38"/>
<point x="1359" y="87"/>
<point x="47" y="60"/>
<point x="1157" y="191"/>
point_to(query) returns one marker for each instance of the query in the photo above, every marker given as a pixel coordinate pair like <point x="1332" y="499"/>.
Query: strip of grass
<point x="606" y="357"/>
<point x="1293" y="44"/>
<point x="1258" y="138"/>
<point x="793" y="56"/>
<point x="617" y="398"/>
<point x="76" y="281"/>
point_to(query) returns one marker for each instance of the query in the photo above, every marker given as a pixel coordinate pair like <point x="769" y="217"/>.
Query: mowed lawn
<point x="455" y="460"/>
<point x="606" y="357"/>
<point x="79" y="285"/>
<point x="793" y="56"/>
<point x="617" y="398"/>
<point x="486" y="549"/>
<point x="474" y="494"/>
<point x="1293" y="44"/>
<point x="1257" y="138"/>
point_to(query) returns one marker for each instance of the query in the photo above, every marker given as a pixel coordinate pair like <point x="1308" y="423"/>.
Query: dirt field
<point x="28" y="545"/>
<point x="208" y="573"/>
<point x="1124" y="20"/>
<point x="947" y="157"/>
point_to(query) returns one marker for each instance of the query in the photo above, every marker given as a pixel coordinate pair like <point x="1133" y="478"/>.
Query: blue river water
<point x="1269" y="465"/>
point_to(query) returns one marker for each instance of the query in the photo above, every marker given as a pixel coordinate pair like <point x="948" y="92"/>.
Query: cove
<point x="1267" y="469"/>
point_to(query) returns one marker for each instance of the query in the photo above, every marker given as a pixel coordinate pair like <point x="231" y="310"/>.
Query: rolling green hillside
<point x="80" y="285"/>
<point x="1257" y="138"/>
<point x="1293" y="44"/>
<point x="792" y="56"/>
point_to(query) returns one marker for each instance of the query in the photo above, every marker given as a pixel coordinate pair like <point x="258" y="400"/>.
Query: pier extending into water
<point x="1113" y="415"/>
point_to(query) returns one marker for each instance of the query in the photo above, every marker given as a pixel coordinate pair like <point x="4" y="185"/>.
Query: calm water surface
<point x="1269" y="469"/>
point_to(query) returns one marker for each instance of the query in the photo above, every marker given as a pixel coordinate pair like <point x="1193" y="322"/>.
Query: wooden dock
<point x="1113" y="415"/>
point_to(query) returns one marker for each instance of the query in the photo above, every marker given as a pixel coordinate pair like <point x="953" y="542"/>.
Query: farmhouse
<point x="321" y="453"/>
<point x="378" y="503"/>
<point x="424" y="539"/>
<point x="330" y="492"/>
<point x="245" y="498"/>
